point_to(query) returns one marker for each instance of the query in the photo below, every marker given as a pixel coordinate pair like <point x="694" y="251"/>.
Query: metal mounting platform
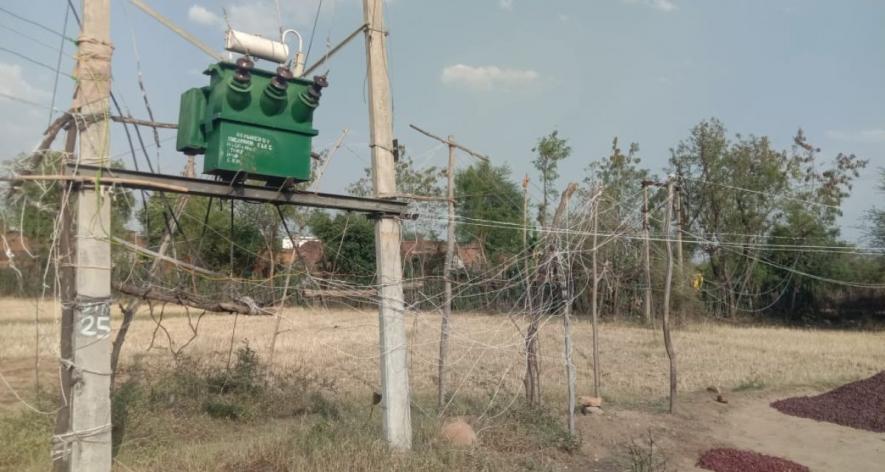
<point x="235" y="191"/>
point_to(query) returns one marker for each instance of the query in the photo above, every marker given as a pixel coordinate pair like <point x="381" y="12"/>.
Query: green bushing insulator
<point x="239" y="94"/>
<point x="274" y="99"/>
<point x="309" y="99"/>
<point x="239" y="89"/>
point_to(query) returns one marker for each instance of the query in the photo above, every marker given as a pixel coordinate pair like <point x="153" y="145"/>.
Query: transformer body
<point x="251" y="123"/>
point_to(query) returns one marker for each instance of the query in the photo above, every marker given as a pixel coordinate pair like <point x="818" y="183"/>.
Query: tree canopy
<point x="551" y="149"/>
<point x="739" y="194"/>
<point x="489" y="208"/>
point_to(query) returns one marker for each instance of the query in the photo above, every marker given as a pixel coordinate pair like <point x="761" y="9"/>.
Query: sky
<point x="499" y="74"/>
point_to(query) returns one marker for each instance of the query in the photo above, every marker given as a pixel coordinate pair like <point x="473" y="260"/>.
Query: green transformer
<point x="251" y="123"/>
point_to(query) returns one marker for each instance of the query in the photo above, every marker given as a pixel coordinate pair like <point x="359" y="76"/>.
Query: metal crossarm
<point x="226" y="190"/>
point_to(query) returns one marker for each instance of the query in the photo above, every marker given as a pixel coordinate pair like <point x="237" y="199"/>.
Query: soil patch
<point x="858" y="405"/>
<point x="736" y="460"/>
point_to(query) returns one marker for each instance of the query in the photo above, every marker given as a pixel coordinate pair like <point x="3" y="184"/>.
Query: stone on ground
<point x="591" y="410"/>
<point x="458" y="433"/>
<point x="587" y="401"/>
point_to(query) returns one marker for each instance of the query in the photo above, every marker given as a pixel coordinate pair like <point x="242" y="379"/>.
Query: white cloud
<point x="12" y="82"/>
<point x="260" y="16"/>
<point x="200" y="15"/>
<point x="662" y="5"/>
<point x="505" y="4"/>
<point x="872" y="135"/>
<point x="487" y="77"/>
<point x="255" y="17"/>
<point x="21" y="124"/>
<point x="564" y="18"/>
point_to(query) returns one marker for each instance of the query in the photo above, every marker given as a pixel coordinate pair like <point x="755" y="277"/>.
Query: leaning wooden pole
<point x="281" y="306"/>
<point x="649" y="320"/>
<point x="532" y="378"/>
<point x="83" y="430"/>
<point x="681" y="286"/>
<point x="668" y="342"/>
<point x="396" y="398"/>
<point x="165" y="244"/>
<point x="677" y="213"/>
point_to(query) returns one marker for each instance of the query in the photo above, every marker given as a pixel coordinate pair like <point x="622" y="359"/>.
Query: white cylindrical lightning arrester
<point x="256" y="46"/>
<point x="298" y="64"/>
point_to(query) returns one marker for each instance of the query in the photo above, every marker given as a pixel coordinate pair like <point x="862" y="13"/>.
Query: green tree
<point x="33" y="209"/>
<point x="618" y="177"/>
<point x="348" y="243"/>
<point x="489" y="208"/>
<point x="736" y="193"/>
<point x="410" y="180"/>
<point x="877" y="218"/>
<point x="206" y="234"/>
<point x="551" y="149"/>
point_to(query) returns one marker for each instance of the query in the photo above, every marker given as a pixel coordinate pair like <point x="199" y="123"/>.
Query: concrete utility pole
<point x="83" y="430"/>
<point x="450" y="255"/>
<point x="394" y="356"/>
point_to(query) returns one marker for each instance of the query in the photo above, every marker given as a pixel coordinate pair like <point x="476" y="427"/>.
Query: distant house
<point x="470" y="255"/>
<point x="467" y="256"/>
<point x="135" y="237"/>
<point x="307" y="249"/>
<point x="421" y="248"/>
<point x="310" y="250"/>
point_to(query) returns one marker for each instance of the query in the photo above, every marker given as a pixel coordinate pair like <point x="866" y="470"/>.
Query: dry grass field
<point x="339" y="348"/>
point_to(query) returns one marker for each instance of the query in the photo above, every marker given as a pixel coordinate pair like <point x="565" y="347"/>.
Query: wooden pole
<point x="649" y="320"/>
<point x="83" y="431"/>
<point x="394" y="356"/>
<point x="67" y="294"/>
<point x="668" y="343"/>
<point x="450" y="256"/>
<point x="681" y="281"/>
<point x="677" y="212"/>
<point x="132" y="307"/>
<point x="564" y="272"/>
<point x="532" y="379"/>
<point x="447" y="270"/>
<point x="595" y="306"/>
<point x="281" y="306"/>
<point x="525" y="211"/>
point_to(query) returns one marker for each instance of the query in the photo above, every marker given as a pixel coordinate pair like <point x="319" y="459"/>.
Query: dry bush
<point x="167" y="426"/>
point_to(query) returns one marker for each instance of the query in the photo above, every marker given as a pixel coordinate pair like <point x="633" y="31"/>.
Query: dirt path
<point x="746" y="422"/>
<point x="823" y="447"/>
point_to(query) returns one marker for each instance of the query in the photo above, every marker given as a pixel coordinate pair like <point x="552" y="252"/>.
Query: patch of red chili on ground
<point x="858" y="405"/>
<point x="735" y="460"/>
